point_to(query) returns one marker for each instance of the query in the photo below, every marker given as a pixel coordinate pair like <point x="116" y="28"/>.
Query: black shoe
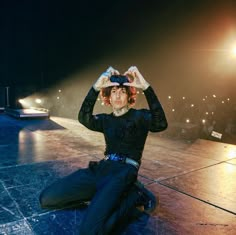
<point x="147" y="199"/>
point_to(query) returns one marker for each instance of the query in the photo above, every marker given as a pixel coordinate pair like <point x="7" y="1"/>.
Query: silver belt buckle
<point x="132" y="162"/>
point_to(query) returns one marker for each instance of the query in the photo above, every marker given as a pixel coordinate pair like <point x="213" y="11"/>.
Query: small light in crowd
<point x="203" y="121"/>
<point x="187" y="120"/>
<point x="204" y="99"/>
<point x="169" y="97"/>
<point x="59" y="90"/>
<point x="222" y="102"/>
<point x="137" y="92"/>
<point x="38" y="101"/>
<point x="98" y="99"/>
<point x="142" y="93"/>
<point x="173" y="110"/>
<point x="212" y="113"/>
<point x="58" y="97"/>
<point x="214" y="96"/>
<point x="102" y="103"/>
<point x="206" y="96"/>
<point x="192" y="105"/>
<point x="207" y="113"/>
<point x="183" y="98"/>
<point x="228" y="99"/>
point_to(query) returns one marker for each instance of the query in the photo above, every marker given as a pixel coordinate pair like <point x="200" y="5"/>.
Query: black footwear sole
<point x="150" y="201"/>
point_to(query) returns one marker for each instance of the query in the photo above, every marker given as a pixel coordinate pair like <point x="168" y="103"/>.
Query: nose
<point x="117" y="94"/>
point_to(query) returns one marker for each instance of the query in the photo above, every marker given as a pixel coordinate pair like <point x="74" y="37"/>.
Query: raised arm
<point x="85" y="115"/>
<point x="157" y="120"/>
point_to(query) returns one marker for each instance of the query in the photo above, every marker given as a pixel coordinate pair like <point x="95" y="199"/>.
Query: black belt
<point x="118" y="158"/>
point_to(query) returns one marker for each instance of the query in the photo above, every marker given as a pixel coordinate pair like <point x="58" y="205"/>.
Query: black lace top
<point x="126" y="134"/>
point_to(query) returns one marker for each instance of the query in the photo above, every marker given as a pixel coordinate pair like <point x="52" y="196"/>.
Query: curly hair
<point x="131" y="92"/>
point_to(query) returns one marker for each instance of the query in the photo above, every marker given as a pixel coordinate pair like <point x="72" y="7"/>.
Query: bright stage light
<point x="232" y="153"/>
<point x="38" y="101"/>
<point x="234" y="51"/>
<point x="21" y="101"/>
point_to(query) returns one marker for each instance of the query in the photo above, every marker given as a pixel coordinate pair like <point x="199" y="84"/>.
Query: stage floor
<point x="194" y="180"/>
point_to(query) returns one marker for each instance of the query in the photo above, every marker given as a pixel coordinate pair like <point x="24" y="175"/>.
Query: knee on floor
<point x="46" y="201"/>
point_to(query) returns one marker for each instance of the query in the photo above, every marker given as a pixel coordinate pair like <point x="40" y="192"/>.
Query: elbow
<point x="164" y="126"/>
<point x="80" y="118"/>
<point x="160" y="127"/>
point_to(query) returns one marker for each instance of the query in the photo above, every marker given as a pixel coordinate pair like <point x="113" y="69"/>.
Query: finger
<point x="108" y="84"/>
<point x="113" y="71"/>
<point x="127" y="73"/>
<point x="132" y="68"/>
<point x="130" y="84"/>
<point x="127" y="84"/>
<point x="116" y="72"/>
<point x="109" y="69"/>
<point x="107" y="74"/>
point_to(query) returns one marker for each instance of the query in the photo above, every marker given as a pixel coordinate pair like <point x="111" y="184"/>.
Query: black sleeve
<point x="86" y="117"/>
<point x="157" y="119"/>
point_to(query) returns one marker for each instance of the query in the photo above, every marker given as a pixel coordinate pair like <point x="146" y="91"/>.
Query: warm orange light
<point x="234" y="51"/>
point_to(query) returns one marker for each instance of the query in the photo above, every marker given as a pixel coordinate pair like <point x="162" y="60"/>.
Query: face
<point x="118" y="97"/>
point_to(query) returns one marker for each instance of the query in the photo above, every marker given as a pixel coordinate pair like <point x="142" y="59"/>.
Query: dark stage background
<point x="57" y="49"/>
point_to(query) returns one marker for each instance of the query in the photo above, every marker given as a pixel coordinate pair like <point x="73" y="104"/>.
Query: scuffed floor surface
<point x="195" y="181"/>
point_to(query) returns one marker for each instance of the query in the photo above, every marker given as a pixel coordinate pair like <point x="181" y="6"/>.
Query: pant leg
<point x="125" y="211"/>
<point x="69" y="191"/>
<point x="108" y="196"/>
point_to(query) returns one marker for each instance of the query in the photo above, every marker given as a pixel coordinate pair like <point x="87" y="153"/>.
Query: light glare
<point x="234" y="51"/>
<point x="38" y="101"/>
<point x="187" y="120"/>
<point x="21" y="101"/>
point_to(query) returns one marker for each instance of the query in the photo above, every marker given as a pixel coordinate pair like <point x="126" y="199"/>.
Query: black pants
<point x="108" y="185"/>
